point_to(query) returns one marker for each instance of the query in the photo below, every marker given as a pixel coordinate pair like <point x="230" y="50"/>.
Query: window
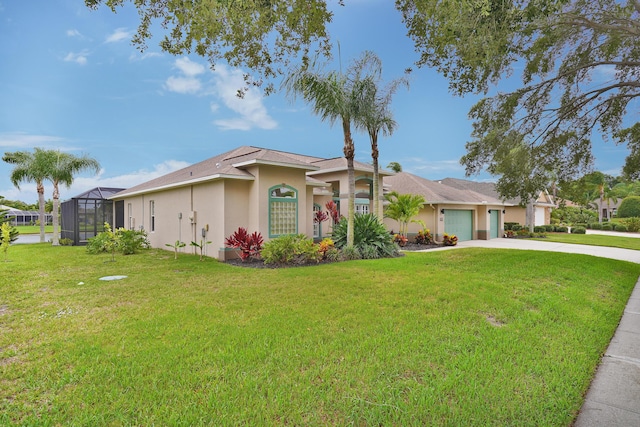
<point x="362" y="206"/>
<point x="130" y="215"/>
<point x="152" y="213"/>
<point x="283" y="210"/>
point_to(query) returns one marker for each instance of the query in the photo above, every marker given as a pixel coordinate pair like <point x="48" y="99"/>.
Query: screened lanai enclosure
<point x="20" y="217"/>
<point x="83" y="216"/>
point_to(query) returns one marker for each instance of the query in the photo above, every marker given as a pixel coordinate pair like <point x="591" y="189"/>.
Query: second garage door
<point x="459" y="222"/>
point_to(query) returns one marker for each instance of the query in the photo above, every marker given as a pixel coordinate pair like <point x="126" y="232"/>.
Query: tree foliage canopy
<point x="261" y="35"/>
<point x="579" y="61"/>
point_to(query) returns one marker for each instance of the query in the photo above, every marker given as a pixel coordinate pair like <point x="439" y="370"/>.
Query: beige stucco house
<point x="468" y="214"/>
<point x="268" y="191"/>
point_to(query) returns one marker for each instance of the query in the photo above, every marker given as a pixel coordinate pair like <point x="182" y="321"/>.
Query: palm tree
<point x="403" y="208"/>
<point x="64" y="167"/>
<point x="336" y="97"/>
<point x="376" y="117"/>
<point x="30" y="167"/>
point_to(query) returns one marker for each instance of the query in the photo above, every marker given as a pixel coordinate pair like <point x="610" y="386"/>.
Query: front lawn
<point x="463" y="337"/>
<point x="595" y="240"/>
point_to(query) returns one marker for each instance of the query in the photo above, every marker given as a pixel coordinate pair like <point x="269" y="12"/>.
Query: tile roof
<point x="488" y="188"/>
<point x="436" y="192"/>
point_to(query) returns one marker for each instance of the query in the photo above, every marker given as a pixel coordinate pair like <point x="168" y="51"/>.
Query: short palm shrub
<point x="630" y="207"/>
<point x="295" y="249"/>
<point x="633" y="224"/>
<point x="620" y="227"/>
<point x="578" y="230"/>
<point x="350" y="253"/>
<point x="368" y="231"/>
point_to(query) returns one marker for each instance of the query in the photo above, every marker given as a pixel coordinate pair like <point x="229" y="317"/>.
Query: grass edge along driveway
<point x="464" y="337"/>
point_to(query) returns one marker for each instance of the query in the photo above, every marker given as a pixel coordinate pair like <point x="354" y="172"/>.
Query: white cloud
<point x="188" y="67"/>
<point x="135" y="57"/>
<point x="82" y="183"/>
<point x="79" y="58"/>
<point x="118" y="35"/>
<point x="24" y="140"/>
<point x="73" y="33"/>
<point x="183" y="84"/>
<point x="251" y="110"/>
<point x="430" y="168"/>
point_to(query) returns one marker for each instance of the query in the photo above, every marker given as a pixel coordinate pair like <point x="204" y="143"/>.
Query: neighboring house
<point x="20" y="217"/>
<point x="468" y="214"/>
<point x="268" y="191"/>
<point x="543" y="205"/>
<point x="609" y="208"/>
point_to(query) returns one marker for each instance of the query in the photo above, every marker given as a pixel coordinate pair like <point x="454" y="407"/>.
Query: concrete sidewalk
<point x="613" y="399"/>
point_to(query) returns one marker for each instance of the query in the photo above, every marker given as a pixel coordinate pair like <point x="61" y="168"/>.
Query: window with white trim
<point x="283" y="210"/>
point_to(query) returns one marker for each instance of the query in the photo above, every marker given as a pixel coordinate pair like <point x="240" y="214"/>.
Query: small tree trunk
<point x="56" y="208"/>
<point x="41" y="215"/>
<point x="376" y="176"/>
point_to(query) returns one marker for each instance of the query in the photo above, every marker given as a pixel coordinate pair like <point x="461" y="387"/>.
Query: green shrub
<point x="291" y="249"/>
<point x="633" y="224"/>
<point x="369" y="252"/>
<point x="65" y="242"/>
<point x="516" y="227"/>
<point x="368" y="231"/>
<point x="578" y="230"/>
<point x="125" y="241"/>
<point x="607" y="227"/>
<point x="580" y="224"/>
<point x="596" y="226"/>
<point x="561" y="229"/>
<point x="131" y="241"/>
<point x="549" y="228"/>
<point x="333" y="255"/>
<point x="539" y="229"/>
<point x="509" y="225"/>
<point x="630" y="207"/>
<point x="620" y="227"/>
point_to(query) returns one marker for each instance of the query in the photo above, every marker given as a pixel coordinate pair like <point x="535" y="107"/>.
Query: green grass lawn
<point x="595" y="240"/>
<point x="33" y="229"/>
<point x="463" y="337"/>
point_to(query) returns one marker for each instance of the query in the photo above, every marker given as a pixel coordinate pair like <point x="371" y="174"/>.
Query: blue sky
<point x="70" y="79"/>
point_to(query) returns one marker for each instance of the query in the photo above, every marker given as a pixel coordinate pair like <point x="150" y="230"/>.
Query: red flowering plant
<point x="247" y="245"/>
<point x="332" y="207"/>
<point x="400" y="239"/>
<point x="449" y="239"/>
<point x="320" y="217"/>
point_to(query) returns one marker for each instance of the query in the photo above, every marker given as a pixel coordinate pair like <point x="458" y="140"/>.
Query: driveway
<point x="536" y="245"/>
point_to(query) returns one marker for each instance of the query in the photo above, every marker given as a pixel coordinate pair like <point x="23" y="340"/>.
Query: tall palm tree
<point x="336" y="96"/>
<point x="64" y="167"/>
<point x="377" y="117"/>
<point x="30" y="167"/>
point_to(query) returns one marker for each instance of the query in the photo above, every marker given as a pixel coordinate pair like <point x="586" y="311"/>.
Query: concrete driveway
<point x="536" y="245"/>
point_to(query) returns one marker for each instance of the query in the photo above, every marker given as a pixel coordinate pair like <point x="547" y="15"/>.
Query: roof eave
<point x="181" y="184"/>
